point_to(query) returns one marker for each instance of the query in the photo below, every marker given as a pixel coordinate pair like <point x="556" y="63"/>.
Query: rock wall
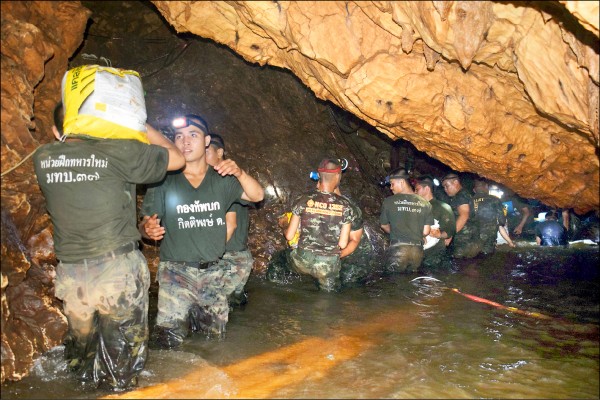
<point x="501" y="89"/>
<point x="37" y="40"/>
<point x="507" y="90"/>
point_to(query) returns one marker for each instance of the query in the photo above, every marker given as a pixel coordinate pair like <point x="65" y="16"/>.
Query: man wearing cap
<point x="407" y="218"/>
<point x="324" y="220"/>
<point x="490" y="218"/>
<point x="465" y="243"/>
<point x="238" y="223"/>
<point x="187" y="212"/>
<point x="102" y="277"/>
<point x="436" y="255"/>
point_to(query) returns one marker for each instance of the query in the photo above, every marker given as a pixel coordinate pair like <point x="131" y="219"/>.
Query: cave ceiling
<point x="507" y="90"/>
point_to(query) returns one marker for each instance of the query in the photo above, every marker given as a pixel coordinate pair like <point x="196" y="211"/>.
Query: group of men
<point x="195" y="204"/>
<point x="424" y="231"/>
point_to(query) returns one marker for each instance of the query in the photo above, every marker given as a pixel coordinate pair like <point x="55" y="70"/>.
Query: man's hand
<point x="151" y="227"/>
<point x="228" y="167"/>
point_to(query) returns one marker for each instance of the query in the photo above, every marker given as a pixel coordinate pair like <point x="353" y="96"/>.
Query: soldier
<point x="436" y="255"/>
<point x="324" y="220"/>
<point x="238" y="223"/>
<point x="357" y="256"/>
<point x="465" y="243"/>
<point x="489" y="215"/>
<point x="194" y="280"/>
<point x="102" y="276"/>
<point x="407" y="217"/>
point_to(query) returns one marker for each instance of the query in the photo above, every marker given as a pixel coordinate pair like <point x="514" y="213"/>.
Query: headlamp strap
<point x="333" y="171"/>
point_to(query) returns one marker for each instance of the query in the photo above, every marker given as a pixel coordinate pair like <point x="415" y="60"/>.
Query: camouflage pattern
<point x="279" y="268"/>
<point x="356" y="266"/>
<point x="321" y="218"/>
<point x="106" y="305"/>
<point x="465" y="243"/>
<point x="436" y="262"/>
<point x="243" y="262"/>
<point x="325" y="269"/>
<point x="403" y="258"/>
<point x="489" y="215"/>
<point x="192" y="297"/>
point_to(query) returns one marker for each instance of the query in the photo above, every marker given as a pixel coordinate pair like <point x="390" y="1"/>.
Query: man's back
<point x="321" y="218"/>
<point x="551" y="233"/>
<point x="89" y="186"/>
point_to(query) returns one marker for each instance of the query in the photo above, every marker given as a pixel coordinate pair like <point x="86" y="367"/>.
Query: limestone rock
<point x="37" y="40"/>
<point x="508" y="91"/>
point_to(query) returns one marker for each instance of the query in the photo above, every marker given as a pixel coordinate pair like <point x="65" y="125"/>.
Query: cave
<point x="503" y="90"/>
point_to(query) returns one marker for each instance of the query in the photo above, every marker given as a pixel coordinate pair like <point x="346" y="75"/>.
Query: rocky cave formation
<point x="507" y="90"/>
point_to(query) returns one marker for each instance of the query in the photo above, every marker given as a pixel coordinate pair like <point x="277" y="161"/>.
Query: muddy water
<point x="392" y="338"/>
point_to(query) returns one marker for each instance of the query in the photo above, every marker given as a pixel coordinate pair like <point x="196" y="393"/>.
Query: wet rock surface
<point x="273" y="124"/>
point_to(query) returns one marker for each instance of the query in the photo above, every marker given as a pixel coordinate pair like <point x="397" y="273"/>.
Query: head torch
<point x="184" y="122"/>
<point x="314" y="175"/>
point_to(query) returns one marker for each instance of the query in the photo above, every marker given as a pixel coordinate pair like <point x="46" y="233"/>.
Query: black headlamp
<point x="184" y="122"/>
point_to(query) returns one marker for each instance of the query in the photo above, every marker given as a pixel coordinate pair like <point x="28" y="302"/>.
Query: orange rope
<point x="498" y="305"/>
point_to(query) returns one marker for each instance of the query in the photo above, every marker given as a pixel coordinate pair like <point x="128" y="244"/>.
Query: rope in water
<point x="486" y="301"/>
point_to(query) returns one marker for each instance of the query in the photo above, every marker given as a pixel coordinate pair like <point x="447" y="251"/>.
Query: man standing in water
<point x="407" y="218"/>
<point x="194" y="280"/>
<point x="465" y="243"/>
<point x="102" y="277"/>
<point x="489" y="215"/>
<point x="324" y="221"/>
<point x="238" y="223"/>
<point x="436" y="256"/>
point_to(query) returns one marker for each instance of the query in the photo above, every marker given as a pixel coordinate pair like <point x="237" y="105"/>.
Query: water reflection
<point x="392" y="338"/>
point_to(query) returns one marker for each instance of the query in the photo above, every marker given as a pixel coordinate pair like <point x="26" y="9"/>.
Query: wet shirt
<point x="194" y="218"/>
<point x="406" y="214"/>
<point x="239" y="239"/>
<point x="321" y="218"/>
<point x="89" y="186"/>
<point x="488" y="210"/>
<point x="551" y="233"/>
<point x="442" y="213"/>
<point x="462" y="197"/>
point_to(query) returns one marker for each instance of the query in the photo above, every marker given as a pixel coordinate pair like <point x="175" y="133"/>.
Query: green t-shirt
<point x="442" y="213"/>
<point x="89" y="186"/>
<point x="239" y="240"/>
<point x="406" y="214"/>
<point x="194" y="218"/>
<point x="321" y="218"/>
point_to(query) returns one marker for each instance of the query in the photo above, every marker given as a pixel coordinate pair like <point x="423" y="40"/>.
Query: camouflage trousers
<point x="488" y="234"/>
<point x="403" y="258"/>
<point x="194" y="298"/>
<point x="325" y="269"/>
<point x="466" y="243"/>
<point x="435" y="261"/>
<point x="243" y="262"/>
<point x="356" y="266"/>
<point x="106" y="305"/>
